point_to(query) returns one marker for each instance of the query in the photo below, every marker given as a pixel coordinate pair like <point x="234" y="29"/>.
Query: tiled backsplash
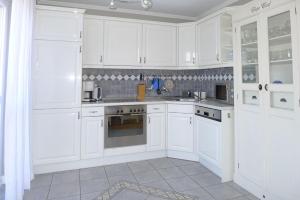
<point x="123" y="82"/>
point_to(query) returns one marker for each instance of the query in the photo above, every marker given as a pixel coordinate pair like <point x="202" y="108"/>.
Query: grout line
<point x="52" y="175"/>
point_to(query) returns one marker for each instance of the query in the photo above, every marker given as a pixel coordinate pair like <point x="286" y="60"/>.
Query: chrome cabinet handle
<point x="93" y="112"/>
<point x="191" y="120"/>
<point x="102" y="123"/>
<point x="218" y="57"/>
<point x="260" y="87"/>
<point x="266" y="87"/>
<point x="194" y="60"/>
<point x="283" y="100"/>
<point x="144" y="59"/>
<point x="149" y="120"/>
<point x="140" y="59"/>
<point x="78" y="115"/>
<point x="101" y="59"/>
<point x="254" y="97"/>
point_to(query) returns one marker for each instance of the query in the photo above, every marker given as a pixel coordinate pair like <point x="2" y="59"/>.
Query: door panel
<point x="208" y="42"/>
<point x="92" y="137"/>
<point x="187" y="45"/>
<point x="56" y="74"/>
<point x="160" y="46"/>
<point x="57" y="25"/>
<point x="56" y="136"/>
<point x="122" y="45"/>
<point x="93" y="43"/>
<point x="156" y="132"/>
<point x="180" y="132"/>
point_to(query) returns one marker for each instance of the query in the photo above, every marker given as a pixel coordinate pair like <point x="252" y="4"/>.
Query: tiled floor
<point x="165" y="173"/>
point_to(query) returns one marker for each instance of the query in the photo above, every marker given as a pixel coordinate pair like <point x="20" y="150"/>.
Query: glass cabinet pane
<point x="280" y="49"/>
<point x="250" y="97"/>
<point x="249" y="53"/>
<point x="282" y="100"/>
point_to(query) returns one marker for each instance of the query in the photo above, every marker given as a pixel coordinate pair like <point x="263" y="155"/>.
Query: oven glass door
<point x="125" y="130"/>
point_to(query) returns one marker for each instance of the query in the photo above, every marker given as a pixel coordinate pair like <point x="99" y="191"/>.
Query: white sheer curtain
<point x="17" y="163"/>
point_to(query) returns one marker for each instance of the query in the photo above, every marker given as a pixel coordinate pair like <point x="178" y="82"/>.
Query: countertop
<point x="210" y="103"/>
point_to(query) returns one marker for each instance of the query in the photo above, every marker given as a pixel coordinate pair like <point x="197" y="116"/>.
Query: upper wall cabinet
<point x="215" y="40"/>
<point x="159" y="43"/>
<point x="122" y="43"/>
<point x="187" y="45"/>
<point x="92" y="43"/>
<point x="57" y="25"/>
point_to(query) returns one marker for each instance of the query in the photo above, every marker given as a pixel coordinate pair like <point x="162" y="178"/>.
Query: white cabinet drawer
<point x="177" y="108"/>
<point x="282" y="100"/>
<point x="156" y="108"/>
<point x="93" y="112"/>
<point x="251" y="97"/>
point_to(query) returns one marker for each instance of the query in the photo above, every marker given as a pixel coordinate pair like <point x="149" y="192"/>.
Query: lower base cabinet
<point x="180" y="132"/>
<point x="92" y="137"/>
<point x="56" y="135"/>
<point x="156" y="132"/>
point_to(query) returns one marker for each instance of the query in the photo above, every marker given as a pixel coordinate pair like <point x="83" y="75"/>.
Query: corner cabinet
<point x="214" y="40"/>
<point x="187" y="45"/>
<point x="159" y="45"/>
<point x="267" y="100"/>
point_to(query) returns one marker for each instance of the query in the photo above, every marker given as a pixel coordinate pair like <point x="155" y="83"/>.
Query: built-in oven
<point x="125" y="126"/>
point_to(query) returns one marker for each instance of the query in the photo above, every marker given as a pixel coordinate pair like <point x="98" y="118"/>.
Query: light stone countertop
<point x="209" y="103"/>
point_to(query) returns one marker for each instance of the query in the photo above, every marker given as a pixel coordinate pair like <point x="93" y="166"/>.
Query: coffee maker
<point x="88" y="90"/>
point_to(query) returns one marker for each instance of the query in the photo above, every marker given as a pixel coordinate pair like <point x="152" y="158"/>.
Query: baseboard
<point x="183" y="155"/>
<point x="109" y="160"/>
<point x="248" y="185"/>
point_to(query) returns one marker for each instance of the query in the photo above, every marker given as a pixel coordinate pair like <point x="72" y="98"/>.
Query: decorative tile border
<point x="125" y="185"/>
<point x="216" y="77"/>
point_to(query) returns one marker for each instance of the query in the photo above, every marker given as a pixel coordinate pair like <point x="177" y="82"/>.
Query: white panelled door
<point x="93" y="45"/>
<point x="282" y="89"/>
<point x="156" y="132"/>
<point x="56" y="135"/>
<point x="187" y="45"/>
<point x="249" y="118"/>
<point x="57" y="25"/>
<point x="208" y="42"/>
<point x="56" y="74"/>
<point x="123" y="43"/>
<point x="180" y="132"/>
<point x="92" y="137"/>
<point x="159" y="45"/>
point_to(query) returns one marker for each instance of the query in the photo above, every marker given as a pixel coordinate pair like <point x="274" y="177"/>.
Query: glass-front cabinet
<point x="266" y="58"/>
<point x="281" y="63"/>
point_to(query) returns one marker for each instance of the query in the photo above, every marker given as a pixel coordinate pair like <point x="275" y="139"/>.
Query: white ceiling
<point x="181" y="9"/>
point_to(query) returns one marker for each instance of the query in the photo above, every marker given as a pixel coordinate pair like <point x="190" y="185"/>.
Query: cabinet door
<point x="249" y="120"/>
<point x="156" y="132"/>
<point x="282" y="103"/>
<point x="55" y="136"/>
<point x="209" y="140"/>
<point x="92" y="137"/>
<point x="180" y="132"/>
<point x="58" y="25"/>
<point x="187" y="45"/>
<point x="56" y="74"/>
<point x="92" y="43"/>
<point x="159" y="45"/>
<point x="209" y="42"/>
<point x="122" y="45"/>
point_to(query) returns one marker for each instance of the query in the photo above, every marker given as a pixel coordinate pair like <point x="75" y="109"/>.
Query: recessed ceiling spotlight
<point x="146" y="4"/>
<point x="112" y="5"/>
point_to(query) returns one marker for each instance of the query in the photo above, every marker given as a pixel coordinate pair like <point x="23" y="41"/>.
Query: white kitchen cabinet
<point x="55" y="136"/>
<point x="58" y="24"/>
<point x="93" y="43"/>
<point x="187" y="45"/>
<point x="122" y="43"/>
<point x="92" y="137"/>
<point x="214" y="40"/>
<point x="159" y="45"/>
<point x="156" y="131"/>
<point x="180" y="132"/>
<point x="56" y="74"/>
<point x="267" y="85"/>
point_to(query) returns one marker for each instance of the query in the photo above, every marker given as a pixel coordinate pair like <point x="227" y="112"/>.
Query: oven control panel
<point x="129" y="109"/>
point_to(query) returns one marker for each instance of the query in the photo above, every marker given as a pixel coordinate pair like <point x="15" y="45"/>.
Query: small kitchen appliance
<point x="221" y="92"/>
<point x="88" y="90"/>
<point x="97" y="95"/>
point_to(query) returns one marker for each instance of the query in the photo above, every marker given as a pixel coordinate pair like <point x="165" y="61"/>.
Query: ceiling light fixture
<point x="146" y="4"/>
